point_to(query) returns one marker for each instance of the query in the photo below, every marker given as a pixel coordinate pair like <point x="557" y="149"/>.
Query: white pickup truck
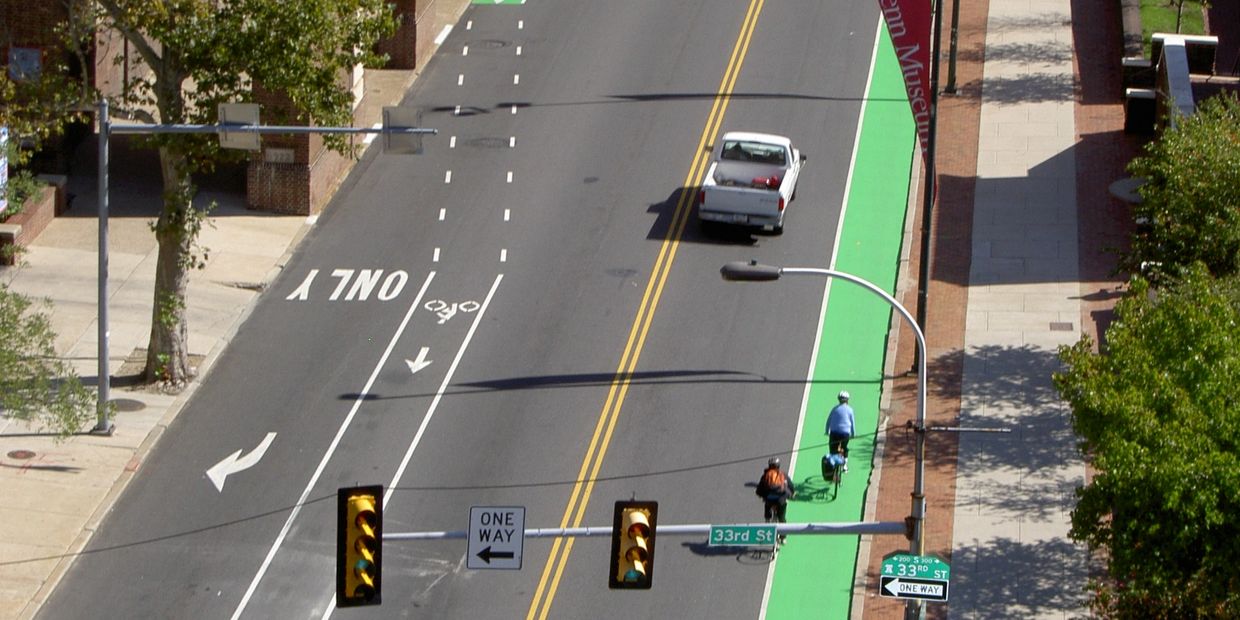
<point x="751" y="180"/>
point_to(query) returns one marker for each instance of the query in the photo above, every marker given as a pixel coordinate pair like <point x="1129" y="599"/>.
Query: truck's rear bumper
<point x="741" y="219"/>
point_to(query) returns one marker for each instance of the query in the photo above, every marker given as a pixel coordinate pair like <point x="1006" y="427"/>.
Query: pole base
<point x="104" y="428"/>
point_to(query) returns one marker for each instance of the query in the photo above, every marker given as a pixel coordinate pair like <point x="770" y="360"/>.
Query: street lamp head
<point x="751" y="271"/>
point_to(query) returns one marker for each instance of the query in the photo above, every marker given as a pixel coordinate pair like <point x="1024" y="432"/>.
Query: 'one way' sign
<point x="496" y="537"/>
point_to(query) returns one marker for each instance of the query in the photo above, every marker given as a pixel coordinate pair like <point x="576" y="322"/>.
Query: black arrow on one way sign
<point x="487" y="554"/>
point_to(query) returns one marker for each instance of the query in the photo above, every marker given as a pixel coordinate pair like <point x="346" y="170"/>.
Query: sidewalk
<point x="57" y="493"/>
<point x="1027" y="148"/>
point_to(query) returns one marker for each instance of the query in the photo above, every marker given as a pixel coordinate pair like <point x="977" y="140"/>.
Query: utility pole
<point x="393" y="119"/>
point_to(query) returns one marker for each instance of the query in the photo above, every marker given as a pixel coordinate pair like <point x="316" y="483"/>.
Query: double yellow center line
<point x="575" y="511"/>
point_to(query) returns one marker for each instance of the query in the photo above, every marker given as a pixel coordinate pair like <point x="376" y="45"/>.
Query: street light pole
<point x="752" y="271"/>
<point x="103" y="423"/>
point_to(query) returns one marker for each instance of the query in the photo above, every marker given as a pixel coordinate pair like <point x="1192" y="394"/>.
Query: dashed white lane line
<point x="512" y="141"/>
<point x="516" y="78"/>
<point x="518" y="50"/>
<point x="435" y="258"/>
<point x="514" y="109"/>
<point x="469" y="25"/>
<point x="460" y="79"/>
<point x="452" y="142"/>
<point x="465" y="51"/>
<point x="520" y="24"/>
<point x="507" y="214"/>
<point x="447" y="176"/>
<point x="510" y="176"/>
<point x="443" y="214"/>
<point x="503" y="256"/>
<point x="443" y="34"/>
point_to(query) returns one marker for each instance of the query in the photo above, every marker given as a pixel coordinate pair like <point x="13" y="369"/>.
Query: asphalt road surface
<point x="542" y="255"/>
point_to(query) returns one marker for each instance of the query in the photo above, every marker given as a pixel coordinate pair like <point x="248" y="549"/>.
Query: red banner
<point x="908" y="23"/>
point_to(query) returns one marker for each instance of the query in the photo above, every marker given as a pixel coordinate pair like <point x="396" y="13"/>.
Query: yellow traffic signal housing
<point x="359" y="549"/>
<point x="632" y="545"/>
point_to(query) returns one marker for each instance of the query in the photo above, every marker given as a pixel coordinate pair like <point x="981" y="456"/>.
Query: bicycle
<point x="833" y="471"/>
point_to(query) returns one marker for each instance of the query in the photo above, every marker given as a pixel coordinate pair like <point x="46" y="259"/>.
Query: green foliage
<point x="1158" y="415"/>
<point x="1171" y="16"/>
<point x="21" y="187"/>
<point x="1191" y="197"/>
<point x="34" y="384"/>
<point x="201" y="53"/>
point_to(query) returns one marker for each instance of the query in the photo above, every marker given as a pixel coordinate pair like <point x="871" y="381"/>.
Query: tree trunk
<point x="167" y="356"/>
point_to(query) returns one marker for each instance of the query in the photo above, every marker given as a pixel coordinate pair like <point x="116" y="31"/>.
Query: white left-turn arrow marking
<point x="231" y="464"/>
<point x="419" y="363"/>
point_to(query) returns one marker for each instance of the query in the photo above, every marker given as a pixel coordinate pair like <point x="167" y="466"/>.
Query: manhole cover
<point x="127" y="404"/>
<point x="489" y="44"/>
<point x="21" y="455"/>
<point x="488" y="143"/>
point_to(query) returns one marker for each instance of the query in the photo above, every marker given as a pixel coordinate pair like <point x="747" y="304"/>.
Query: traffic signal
<point x="359" y="549"/>
<point x="632" y="545"/>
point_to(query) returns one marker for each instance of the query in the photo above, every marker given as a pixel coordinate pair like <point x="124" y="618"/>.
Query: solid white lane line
<point x="826" y="294"/>
<point x="443" y="34"/>
<point x="430" y="413"/>
<point x="331" y="448"/>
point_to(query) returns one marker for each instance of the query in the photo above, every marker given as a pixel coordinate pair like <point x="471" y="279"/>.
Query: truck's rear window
<point x="756" y="152"/>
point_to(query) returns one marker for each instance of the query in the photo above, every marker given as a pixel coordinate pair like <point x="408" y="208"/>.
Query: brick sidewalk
<point x="1101" y="152"/>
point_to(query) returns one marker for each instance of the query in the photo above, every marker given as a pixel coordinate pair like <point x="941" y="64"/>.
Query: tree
<point x="200" y="53"/>
<point x="1159" y="416"/>
<point x="1191" y="196"/>
<point x="35" y="385"/>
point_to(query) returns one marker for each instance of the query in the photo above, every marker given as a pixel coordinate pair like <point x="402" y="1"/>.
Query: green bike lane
<point x="813" y="575"/>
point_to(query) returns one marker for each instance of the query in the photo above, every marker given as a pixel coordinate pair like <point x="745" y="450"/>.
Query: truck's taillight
<point x="701" y="198"/>
<point x="781" y="203"/>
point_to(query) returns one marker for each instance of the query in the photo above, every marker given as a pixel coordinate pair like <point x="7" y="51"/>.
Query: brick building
<point x="290" y="174"/>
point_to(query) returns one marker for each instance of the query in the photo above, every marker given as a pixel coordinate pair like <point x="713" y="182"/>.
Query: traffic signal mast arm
<point x="878" y="528"/>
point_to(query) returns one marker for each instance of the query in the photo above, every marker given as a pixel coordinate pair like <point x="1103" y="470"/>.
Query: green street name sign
<point x="919" y="566"/>
<point x="924" y="577"/>
<point x="742" y="535"/>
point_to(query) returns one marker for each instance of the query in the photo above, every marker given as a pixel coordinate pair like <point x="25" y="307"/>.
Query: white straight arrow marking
<point x="231" y="464"/>
<point x="419" y="363"/>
